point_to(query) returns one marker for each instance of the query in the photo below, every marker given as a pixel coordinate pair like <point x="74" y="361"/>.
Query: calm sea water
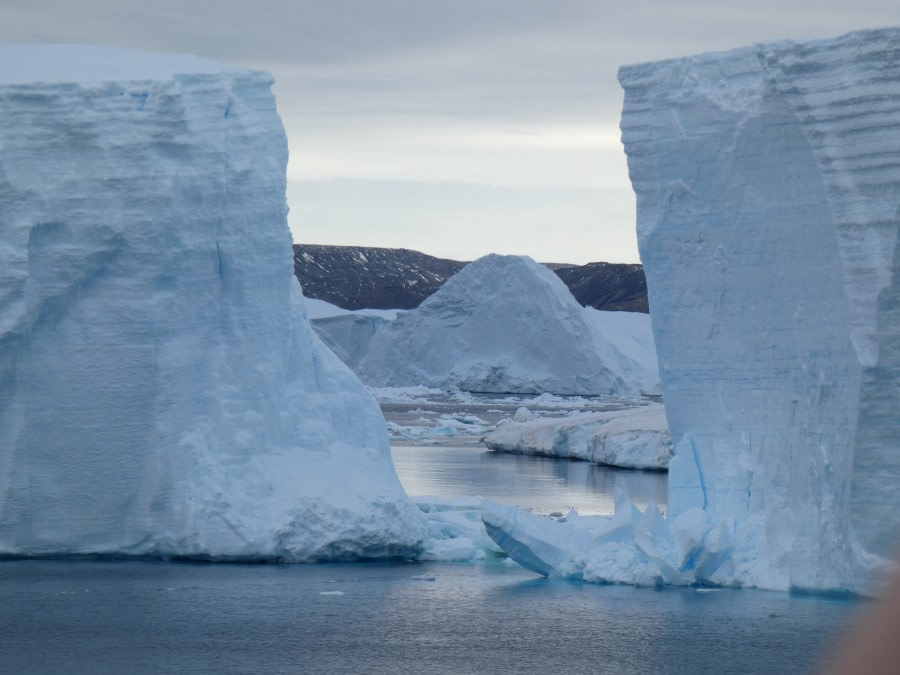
<point x="540" y="483"/>
<point x="146" y="617"/>
<point x="155" y="617"/>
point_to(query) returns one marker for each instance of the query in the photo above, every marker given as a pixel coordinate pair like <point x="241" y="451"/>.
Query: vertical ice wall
<point x="161" y="391"/>
<point x="768" y="187"/>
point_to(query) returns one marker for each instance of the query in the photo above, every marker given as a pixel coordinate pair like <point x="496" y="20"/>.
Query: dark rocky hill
<point x="362" y="277"/>
<point x="608" y="286"/>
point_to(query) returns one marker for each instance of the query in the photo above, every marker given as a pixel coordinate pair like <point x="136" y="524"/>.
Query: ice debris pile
<point x="503" y="324"/>
<point x="768" y="197"/>
<point x="161" y="392"/>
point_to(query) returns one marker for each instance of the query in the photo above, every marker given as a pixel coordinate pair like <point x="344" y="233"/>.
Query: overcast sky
<point x="454" y="127"/>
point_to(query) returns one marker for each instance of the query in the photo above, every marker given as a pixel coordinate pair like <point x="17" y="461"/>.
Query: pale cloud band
<point x="509" y="94"/>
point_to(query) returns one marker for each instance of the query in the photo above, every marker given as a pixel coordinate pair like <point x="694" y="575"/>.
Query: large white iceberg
<point x="161" y="392"/>
<point x="768" y="195"/>
<point x="505" y="324"/>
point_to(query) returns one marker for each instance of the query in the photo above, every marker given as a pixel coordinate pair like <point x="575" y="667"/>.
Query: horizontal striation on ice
<point x="768" y="193"/>
<point x="635" y="438"/>
<point x="505" y="324"/>
<point x="161" y="391"/>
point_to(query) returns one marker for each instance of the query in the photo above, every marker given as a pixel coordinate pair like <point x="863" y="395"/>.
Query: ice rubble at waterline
<point x="162" y="392"/>
<point x="768" y="198"/>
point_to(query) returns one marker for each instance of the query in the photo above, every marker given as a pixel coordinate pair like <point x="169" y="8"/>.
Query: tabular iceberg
<point x="634" y="438"/>
<point x="505" y="324"/>
<point x="768" y="195"/>
<point x="161" y="391"/>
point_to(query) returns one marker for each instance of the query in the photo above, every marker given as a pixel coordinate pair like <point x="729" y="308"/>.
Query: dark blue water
<point x="154" y="617"/>
<point x="146" y="617"/>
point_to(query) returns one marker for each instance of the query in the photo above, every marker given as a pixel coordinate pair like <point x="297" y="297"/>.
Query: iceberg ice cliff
<point x="504" y="324"/>
<point x="768" y="198"/>
<point x="161" y="391"/>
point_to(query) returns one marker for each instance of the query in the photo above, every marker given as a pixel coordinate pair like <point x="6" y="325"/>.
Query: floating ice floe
<point x="637" y="438"/>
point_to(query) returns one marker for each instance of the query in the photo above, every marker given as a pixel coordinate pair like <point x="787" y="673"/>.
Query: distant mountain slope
<point x="364" y="277"/>
<point x="609" y="286"/>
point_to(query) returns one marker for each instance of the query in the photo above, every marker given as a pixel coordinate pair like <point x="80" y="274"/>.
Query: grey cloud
<point x="496" y="58"/>
<point x="383" y="88"/>
<point x="309" y="31"/>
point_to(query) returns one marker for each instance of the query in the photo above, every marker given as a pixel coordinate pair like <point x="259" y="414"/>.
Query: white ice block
<point x="161" y="391"/>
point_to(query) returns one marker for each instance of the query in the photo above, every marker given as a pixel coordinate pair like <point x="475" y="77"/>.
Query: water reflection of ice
<point x="436" y="440"/>
<point x="540" y="483"/>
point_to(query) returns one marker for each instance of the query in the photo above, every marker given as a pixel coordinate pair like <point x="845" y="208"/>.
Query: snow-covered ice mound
<point x="636" y="438"/>
<point x="768" y="197"/>
<point x="508" y="324"/>
<point x="161" y="392"/>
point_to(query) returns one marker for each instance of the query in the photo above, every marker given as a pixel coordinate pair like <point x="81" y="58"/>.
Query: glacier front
<point x="768" y="199"/>
<point x="161" y="391"/>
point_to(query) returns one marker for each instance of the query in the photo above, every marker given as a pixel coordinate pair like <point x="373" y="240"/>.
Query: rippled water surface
<point x="490" y="617"/>
<point x="146" y="617"/>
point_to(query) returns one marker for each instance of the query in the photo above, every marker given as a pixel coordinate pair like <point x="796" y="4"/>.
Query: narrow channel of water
<point x="540" y="483"/>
